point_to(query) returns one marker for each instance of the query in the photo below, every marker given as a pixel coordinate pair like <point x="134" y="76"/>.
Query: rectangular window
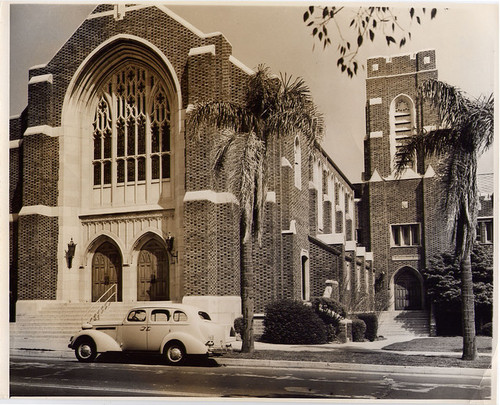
<point x="484" y="231"/>
<point x="405" y="235"/>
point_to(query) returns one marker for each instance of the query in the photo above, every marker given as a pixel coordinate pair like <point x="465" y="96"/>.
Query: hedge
<point x="292" y="322"/>
<point x="371" y="322"/>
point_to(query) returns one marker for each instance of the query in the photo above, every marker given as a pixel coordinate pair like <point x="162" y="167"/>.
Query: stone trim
<point x="241" y="65"/>
<point x="114" y="12"/>
<point x="402" y="74"/>
<point x="285" y="162"/>
<point x="271" y="197"/>
<point x="376" y="134"/>
<point x="202" y="50"/>
<point x="41" y="79"/>
<point x="212" y="196"/>
<point x="15" y="144"/>
<point x="40" y="210"/>
<point x="331" y="238"/>
<point x="188" y="25"/>
<point x="42" y="129"/>
<point x="292" y="230"/>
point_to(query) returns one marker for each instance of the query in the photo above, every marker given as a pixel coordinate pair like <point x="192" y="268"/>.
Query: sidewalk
<point x="56" y="348"/>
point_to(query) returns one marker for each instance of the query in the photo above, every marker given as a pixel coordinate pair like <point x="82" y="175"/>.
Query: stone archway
<point x="407" y="290"/>
<point x="106" y="271"/>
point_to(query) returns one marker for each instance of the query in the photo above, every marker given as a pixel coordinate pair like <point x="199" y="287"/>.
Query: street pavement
<point x="57" y="348"/>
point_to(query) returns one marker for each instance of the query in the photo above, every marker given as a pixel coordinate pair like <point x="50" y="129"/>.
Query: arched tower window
<point x="132" y="139"/>
<point x="402" y="124"/>
<point x="297" y="164"/>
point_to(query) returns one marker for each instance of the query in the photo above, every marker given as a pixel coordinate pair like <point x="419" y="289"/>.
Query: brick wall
<point x="40" y="170"/>
<point x="37" y="272"/>
<point x="325" y="264"/>
<point x="15" y="179"/>
<point x="399" y="75"/>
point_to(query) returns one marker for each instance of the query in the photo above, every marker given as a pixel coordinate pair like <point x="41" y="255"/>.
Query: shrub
<point x="238" y="325"/>
<point x="292" y="322"/>
<point x="331" y="333"/>
<point x="371" y="322"/>
<point x="487" y="329"/>
<point x="358" y="330"/>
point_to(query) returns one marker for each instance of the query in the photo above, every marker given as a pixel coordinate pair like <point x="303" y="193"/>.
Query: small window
<point x="160" y="315"/>
<point x="405" y="235"/>
<point x="204" y="315"/>
<point x="297" y="164"/>
<point x="179" y="316"/>
<point x="484" y="232"/>
<point x="138" y="315"/>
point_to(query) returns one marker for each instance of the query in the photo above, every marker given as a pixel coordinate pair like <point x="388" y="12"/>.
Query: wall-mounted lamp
<point x="70" y="253"/>
<point x="170" y="248"/>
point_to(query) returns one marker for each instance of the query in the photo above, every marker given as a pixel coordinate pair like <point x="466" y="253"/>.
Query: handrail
<point x="101" y="305"/>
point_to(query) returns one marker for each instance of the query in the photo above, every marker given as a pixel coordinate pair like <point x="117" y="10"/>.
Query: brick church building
<point x="108" y="190"/>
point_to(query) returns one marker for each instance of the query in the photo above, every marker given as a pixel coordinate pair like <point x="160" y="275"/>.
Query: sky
<point x="465" y="37"/>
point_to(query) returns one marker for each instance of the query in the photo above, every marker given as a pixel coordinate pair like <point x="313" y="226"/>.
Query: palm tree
<point x="465" y="132"/>
<point x="273" y="108"/>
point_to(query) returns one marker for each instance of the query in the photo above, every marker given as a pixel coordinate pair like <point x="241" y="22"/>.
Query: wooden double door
<point x="106" y="272"/>
<point x="152" y="273"/>
<point x="407" y="290"/>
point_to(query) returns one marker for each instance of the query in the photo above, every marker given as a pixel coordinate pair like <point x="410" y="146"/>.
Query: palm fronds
<point x="465" y="131"/>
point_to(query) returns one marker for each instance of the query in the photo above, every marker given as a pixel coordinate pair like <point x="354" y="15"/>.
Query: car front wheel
<point x="175" y="353"/>
<point x="85" y="350"/>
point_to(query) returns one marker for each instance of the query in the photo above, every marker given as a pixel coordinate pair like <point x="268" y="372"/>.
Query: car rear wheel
<point x="175" y="353"/>
<point x="85" y="350"/>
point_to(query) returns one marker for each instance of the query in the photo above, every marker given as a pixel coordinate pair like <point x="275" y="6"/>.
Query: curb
<point x="228" y="362"/>
<point x="360" y="367"/>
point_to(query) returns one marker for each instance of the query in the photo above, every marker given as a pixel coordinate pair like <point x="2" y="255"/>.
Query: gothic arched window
<point x="402" y="124"/>
<point x="131" y="139"/>
<point x="297" y="163"/>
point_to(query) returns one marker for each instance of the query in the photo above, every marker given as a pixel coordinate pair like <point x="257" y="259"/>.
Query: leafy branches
<point x="366" y="23"/>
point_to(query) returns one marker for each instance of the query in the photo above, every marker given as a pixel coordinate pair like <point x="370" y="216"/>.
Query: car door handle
<point x="143" y="328"/>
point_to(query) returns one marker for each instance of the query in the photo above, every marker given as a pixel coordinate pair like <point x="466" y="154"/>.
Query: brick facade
<point x="393" y="208"/>
<point x="308" y="221"/>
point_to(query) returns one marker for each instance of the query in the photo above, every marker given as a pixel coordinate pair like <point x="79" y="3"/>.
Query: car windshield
<point x="137" y="315"/>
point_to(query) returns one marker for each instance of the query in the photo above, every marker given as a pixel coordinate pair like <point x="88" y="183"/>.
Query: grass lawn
<point x="363" y="356"/>
<point x="441" y="344"/>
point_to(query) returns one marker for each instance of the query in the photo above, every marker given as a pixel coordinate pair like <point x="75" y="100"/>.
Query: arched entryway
<point x="106" y="271"/>
<point x="407" y="290"/>
<point x="153" y="273"/>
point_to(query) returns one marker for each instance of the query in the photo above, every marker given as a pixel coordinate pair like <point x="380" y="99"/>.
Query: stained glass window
<point x="131" y="129"/>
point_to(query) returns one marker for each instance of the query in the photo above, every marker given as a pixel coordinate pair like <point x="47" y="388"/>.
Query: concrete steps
<point x="55" y="322"/>
<point x="403" y="323"/>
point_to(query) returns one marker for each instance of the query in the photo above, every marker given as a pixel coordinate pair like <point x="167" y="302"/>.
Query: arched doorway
<point x="152" y="273"/>
<point x="407" y="290"/>
<point x="106" y="271"/>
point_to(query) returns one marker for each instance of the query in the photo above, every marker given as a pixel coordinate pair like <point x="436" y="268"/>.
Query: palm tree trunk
<point x="468" y="317"/>
<point x="247" y="296"/>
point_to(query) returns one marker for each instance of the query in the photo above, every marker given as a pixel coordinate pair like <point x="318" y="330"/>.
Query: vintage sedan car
<point x="174" y="330"/>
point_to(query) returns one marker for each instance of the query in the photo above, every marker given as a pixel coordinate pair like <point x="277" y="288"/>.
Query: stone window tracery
<point x="131" y="130"/>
